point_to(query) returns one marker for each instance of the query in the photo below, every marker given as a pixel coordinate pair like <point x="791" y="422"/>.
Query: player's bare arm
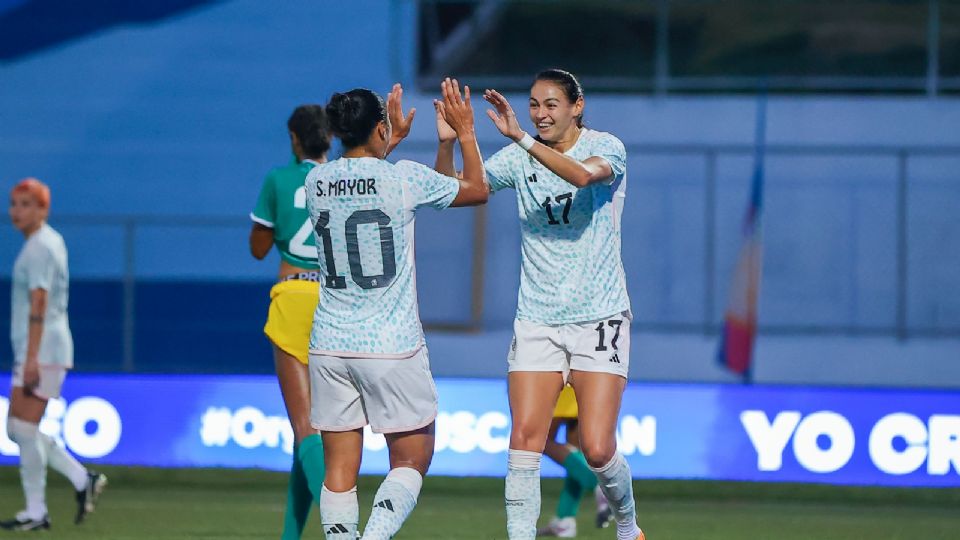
<point x="578" y="173"/>
<point x="458" y="114"/>
<point x="261" y="240"/>
<point x="446" y="138"/>
<point x="38" y="309"/>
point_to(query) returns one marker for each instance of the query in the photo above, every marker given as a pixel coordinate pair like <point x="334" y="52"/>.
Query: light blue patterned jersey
<point x="571" y="270"/>
<point x="42" y="264"/>
<point x="363" y="215"/>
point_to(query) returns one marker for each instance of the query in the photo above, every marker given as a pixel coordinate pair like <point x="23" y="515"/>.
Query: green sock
<point x="311" y="458"/>
<point x="570" y="497"/>
<point x="298" y="502"/>
<point x="576" y="467"/>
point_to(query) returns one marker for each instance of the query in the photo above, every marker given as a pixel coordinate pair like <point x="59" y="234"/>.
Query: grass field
<point x="153" y="504"/>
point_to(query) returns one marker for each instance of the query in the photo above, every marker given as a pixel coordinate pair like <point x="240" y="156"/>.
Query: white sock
<point x="522" y="494"/>
<point x="393" y="503"/>
<point x="63" y="462"/>
<point x="339" y="514"/>
<point x="616" y="482"/>
<point x="33" y="465"/>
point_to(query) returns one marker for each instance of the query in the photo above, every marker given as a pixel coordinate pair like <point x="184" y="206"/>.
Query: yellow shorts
<point x="290" y="319"/>
<point x="566" y="404"/>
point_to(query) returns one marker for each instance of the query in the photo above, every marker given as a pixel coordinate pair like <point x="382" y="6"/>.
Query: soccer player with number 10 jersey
<point x="368" y="360"/>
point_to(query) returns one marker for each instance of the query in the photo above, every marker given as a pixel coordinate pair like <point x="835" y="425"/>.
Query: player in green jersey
<point x="280" y="218"/>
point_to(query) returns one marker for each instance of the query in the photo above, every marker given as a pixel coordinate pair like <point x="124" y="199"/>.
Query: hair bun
<point x="341" y="111"/>
<point x="353" y="115"/>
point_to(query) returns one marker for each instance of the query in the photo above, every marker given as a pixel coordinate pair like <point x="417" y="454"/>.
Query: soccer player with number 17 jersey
<point x="573" y="314"/>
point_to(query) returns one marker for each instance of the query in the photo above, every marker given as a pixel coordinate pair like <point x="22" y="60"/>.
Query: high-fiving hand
<point x="457" y="110"/>
<point x="444" y="132"/>
<point x="504" y="117"/>
<point x="400" y="124"/>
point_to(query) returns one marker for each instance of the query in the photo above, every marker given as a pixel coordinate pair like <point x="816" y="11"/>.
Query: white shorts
<point x="393" y="396"/>
<point x="601" y="346"/>
<point x="51" y="380"/>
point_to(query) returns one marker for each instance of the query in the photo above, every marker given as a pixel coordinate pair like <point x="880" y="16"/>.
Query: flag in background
<point x="740" y="318"/>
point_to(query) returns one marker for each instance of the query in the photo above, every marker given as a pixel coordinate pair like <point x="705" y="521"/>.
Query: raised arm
<point x="447" y="136"/>
<point x="399" y="124"/>
<point x="458" y="113"/>
<point x="579" y="173"/>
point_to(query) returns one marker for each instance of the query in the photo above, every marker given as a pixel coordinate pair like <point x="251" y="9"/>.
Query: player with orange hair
<point x="43" y="352"/>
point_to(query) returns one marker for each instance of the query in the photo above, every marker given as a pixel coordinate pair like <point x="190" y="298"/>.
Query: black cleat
<point x="604" y="512"/>
<point x="22" y="522"/>
<point x="88" y="496"/>
<point x="604" y="518"/>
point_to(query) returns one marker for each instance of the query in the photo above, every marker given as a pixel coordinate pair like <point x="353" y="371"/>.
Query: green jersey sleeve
<point x="265" y="212"/>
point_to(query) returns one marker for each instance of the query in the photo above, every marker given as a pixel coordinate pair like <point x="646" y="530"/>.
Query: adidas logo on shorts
<point x="615" y="358"/>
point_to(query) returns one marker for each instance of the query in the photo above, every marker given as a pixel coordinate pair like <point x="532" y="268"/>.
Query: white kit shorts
<point x="391" y="395"/>
<point x="601" y="346"/>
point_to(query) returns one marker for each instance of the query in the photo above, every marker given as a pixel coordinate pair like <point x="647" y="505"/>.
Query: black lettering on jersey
<point x="351" y="186"/>
<point x="566" y="199"/>
<point x="320" y="192"/>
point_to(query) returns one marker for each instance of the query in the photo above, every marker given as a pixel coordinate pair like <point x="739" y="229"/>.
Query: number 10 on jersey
<point x="360" y="217"/>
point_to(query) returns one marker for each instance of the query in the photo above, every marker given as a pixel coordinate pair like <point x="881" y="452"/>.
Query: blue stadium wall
<point x="173" y="116"/>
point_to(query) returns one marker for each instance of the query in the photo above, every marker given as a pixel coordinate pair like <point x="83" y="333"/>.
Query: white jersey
<point x="571" y="270"/>
<point x="42" y="264"/>
<point x="363" y="215"/>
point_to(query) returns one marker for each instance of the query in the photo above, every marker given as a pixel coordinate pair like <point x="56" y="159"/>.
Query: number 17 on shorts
<point x="601" y="346"/>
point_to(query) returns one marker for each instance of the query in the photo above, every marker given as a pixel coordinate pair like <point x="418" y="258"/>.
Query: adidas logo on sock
<point x="386" y="503"/>
<point x="514" y="502"/>
<point x="337" y="529"/>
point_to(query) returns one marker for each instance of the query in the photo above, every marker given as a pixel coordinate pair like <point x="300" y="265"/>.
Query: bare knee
<point x="418" y="463"/>
<point x="412" y="450"/>
<point x="599" y="453"/>
<point x="339" y="481"/>
<point x="528" y="436"/>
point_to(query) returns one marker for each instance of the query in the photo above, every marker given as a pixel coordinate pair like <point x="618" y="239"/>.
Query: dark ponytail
<point x="567" y="82"/>
<point x="354" y="115"/>
<point x="309" y="124"/>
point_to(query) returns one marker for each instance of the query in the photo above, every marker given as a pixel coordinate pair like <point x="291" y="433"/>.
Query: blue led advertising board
<point x="719" y="432"/>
